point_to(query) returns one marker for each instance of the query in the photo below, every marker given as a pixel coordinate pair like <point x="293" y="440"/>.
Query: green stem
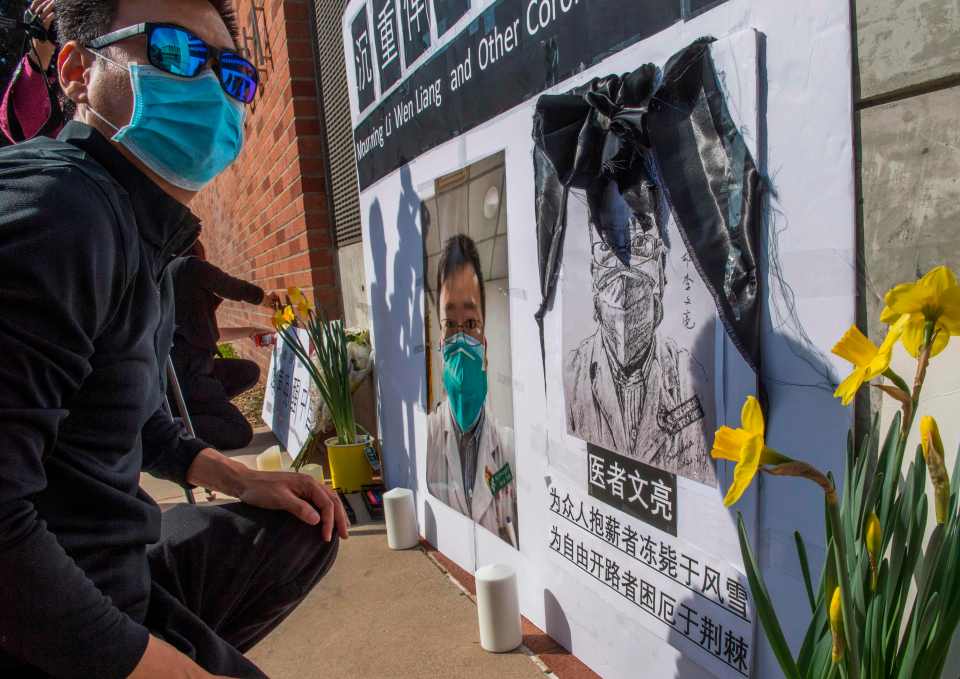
<point x="898" y="381"/>
<point x="909" y="415"/>
<point x="843" y="574"/>
<point x="923" y="360"/>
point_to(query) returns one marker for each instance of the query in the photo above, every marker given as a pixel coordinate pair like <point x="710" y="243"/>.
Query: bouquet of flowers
<point x="866" y="622"/>
<point x="335" y="364"/>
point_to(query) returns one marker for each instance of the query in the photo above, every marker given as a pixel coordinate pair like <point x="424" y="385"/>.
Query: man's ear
<point x="73" y="65"/>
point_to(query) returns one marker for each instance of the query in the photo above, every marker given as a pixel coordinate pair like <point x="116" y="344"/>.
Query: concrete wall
<point x="353" y="282"/>
<point x="907" y="112"/>
<point x="908" y="63"/>
<point x="909" y="95"/>
<point x="906" y="44"/>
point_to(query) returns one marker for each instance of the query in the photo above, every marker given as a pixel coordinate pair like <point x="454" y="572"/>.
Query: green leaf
<point x="872" y="480"/>
<point x="931" y="560"/>
<point x="954" y="483"/>
<point x="890" y="459"/>
<point x="870" y="502"/>
<point x="816" y="631"/>
<point x="764" y="607"/>
<point x="822" y="660"/>
<point x="805" y="570"/>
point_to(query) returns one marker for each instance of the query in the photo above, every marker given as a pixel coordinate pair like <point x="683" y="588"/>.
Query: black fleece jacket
<point x="86" y="323"/>
<point x="199" y="289"/>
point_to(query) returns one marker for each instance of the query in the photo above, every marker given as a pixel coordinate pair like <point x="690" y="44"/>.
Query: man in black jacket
<point x="209" y="381"/>
<point x="92" y="582"/>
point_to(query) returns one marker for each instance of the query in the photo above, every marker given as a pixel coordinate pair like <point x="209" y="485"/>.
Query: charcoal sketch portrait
<point x="626" y="387"/>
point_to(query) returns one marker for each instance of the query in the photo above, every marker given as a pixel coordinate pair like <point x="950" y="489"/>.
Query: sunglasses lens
<point x="239" y="77"/>
<point x="177" y="51"/>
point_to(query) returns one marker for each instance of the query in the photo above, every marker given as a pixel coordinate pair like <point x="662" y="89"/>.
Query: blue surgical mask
<point x="465" y="378"/>
<point x="187" y="130"/>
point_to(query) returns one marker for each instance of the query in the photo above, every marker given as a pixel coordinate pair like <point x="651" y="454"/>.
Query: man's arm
<point x="224" y="285"/>
<point x="231" y="334"/>
<point x="167" y="451"/>
<point x="190" y="462"/>
<point x="58" y="239"/>
<point x="299" y="494"/>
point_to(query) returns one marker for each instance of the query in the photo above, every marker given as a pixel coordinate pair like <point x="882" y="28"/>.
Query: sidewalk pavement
<point x="378" y="613"/>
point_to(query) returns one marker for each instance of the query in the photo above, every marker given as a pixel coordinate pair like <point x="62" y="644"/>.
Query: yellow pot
<point x="349" y="468"/>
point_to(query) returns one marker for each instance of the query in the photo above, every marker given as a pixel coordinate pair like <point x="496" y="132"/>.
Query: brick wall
<point x="265" y="219"/>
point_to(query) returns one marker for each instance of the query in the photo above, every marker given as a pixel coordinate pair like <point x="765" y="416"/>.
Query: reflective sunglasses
<point x="177" y="51"/>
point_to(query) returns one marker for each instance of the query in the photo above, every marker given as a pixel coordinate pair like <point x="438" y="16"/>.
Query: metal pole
<point x="182" y="409"/>
<point x="178" y="397"/>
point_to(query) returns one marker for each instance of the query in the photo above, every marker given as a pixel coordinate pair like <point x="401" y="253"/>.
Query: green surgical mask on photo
<point x="465" y="378"/>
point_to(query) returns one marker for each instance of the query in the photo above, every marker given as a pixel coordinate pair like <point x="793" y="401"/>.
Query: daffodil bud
<point x="836" y="625"/>
<point x="932" y="447"/>
<point x="874" y="540"/>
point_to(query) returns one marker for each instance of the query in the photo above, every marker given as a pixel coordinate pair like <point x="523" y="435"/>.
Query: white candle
<point x="270" y="460"/>
<point x="400" y="515"/>
<point x="498" y="608"/>
<point x="314" y="470"/>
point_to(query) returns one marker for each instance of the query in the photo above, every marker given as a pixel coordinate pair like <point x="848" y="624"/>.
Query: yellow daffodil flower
<point x="932" y="446"/>
<point x="874" y="539"/>
<point x="282" y="318"/>
<point x="745" y="446"/>
<point x="935" y="298"/>
<point x="300" y="301"/>
<point x="836" y="625"/>
<point x="868" y="359"/>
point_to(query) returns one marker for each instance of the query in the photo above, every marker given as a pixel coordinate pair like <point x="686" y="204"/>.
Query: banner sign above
<point x="512" y="52"/>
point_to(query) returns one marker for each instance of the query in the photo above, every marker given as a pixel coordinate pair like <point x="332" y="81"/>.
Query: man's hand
<point x="299" y="494"/>
<point x="43" y="50"/>
<point x="307" y="499"/>
<point x="163" y="661"/>
<point x="271" y="300"/>
<point x="44" y="9"/>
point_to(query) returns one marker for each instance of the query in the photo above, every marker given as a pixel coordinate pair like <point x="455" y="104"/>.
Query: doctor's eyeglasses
<point x="471" y="326"/>
<point x="641" y="249"/>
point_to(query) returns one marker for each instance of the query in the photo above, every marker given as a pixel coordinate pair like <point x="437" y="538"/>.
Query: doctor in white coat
<point x="470" y="460"/>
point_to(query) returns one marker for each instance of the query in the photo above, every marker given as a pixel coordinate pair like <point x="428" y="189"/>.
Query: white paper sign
<point x="698" y="603"/>
<point x="289" y="405"/>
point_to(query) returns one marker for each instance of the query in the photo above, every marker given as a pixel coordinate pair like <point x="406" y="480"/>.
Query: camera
<point x="35" y="29"/>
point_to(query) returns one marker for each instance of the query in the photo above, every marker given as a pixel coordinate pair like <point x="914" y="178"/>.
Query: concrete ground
<point x="378" y="613"/>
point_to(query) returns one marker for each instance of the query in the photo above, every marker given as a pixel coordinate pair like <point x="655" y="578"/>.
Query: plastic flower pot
<point x="349" y="468"/>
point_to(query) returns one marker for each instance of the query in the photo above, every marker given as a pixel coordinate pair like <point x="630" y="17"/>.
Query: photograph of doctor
<point x="470" y="459"/>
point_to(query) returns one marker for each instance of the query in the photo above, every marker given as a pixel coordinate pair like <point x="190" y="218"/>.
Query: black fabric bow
<point x="670" y="143"/>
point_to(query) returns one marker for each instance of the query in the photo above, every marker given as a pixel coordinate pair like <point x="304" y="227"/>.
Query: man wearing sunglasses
<point x="93" y="583"/>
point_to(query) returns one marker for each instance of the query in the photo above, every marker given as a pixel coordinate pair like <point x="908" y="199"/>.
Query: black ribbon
<point x="670" y="142"/>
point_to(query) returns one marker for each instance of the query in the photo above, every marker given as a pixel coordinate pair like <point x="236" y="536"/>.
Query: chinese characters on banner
<point x="448" y="12"/>
<point x="415" y="26"/>
<point x="688" y="598"/>
<point x="362" y="59"/>
<point x="289" y="404"/>
<point x="642" y="491"/>
<point x="388" y="49"/>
